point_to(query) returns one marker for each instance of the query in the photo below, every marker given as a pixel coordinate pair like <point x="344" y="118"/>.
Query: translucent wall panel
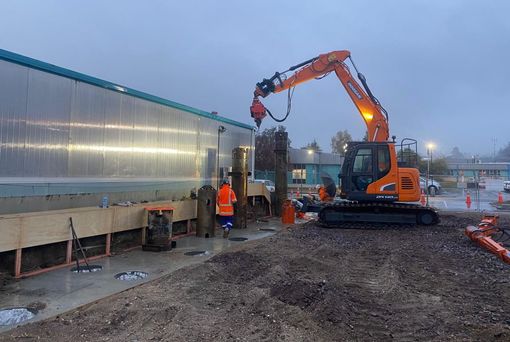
<point x="47" y="124"/>
<point x="13" y="109"/>
<point x="53" y="126"/>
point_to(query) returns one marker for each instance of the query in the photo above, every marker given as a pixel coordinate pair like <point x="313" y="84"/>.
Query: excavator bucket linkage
<point x="490" y="236"/>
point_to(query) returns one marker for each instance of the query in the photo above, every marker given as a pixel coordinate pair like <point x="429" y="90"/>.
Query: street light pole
<point x="430" y="146"/>
<point x="428" y="175"/>
<point x="221" y="129"/>
<point x="311" y="152"/>
<point x="301" y="180"/>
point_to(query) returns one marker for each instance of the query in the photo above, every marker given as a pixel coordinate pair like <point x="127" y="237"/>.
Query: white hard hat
<point x="318" y="186"/>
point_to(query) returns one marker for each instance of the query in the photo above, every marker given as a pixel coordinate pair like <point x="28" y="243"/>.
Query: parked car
<point x="269" y="184"/>
<point x="506" y="186"/>
<point x="434" y="187"/>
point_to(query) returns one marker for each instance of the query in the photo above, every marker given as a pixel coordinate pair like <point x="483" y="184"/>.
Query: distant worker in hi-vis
<point x="226" y="199"/>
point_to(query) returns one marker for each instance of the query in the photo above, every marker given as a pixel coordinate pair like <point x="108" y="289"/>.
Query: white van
<point x="269" y="184"/>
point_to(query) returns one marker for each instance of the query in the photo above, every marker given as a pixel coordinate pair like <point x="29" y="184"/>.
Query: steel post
<point x="240" y="175"/>
<point x="281" y="166"/>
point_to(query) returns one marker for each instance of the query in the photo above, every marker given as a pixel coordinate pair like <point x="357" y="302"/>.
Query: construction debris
<point x="490" y="236"/>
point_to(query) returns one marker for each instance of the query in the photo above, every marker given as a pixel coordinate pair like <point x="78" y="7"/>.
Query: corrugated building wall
<point x="63" y="132"/>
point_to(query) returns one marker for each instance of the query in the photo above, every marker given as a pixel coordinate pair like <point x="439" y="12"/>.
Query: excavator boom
<point x="372" y="113"/>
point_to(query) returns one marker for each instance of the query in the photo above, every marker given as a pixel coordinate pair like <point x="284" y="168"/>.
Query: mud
<point x="310" y="283"/>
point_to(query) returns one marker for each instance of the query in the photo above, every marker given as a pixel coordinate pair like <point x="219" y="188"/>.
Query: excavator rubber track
<point x="338" y="213"/>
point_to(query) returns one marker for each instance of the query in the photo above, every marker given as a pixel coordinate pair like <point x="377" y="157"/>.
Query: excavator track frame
<point x="337" y="214"/>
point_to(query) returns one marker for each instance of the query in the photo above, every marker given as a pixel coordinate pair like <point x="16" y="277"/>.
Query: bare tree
<point x="504" y="154"/>
<point x="264" y="147"/>
<point x="314" y="145"/>
<point x="339" y="140"/>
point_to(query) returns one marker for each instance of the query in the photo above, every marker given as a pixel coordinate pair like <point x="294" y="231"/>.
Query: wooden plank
<point x="184" y="210"/>
<point x="17" y="263"/>
<point x="41" y="228"/>
<point x="259" y="189"/>
<point x="126" y="218"/>
<point x="10" y="233"/>
<point x="46" y="229"/>
<point x="108" y="244"/>
<point x="69" y="251"/>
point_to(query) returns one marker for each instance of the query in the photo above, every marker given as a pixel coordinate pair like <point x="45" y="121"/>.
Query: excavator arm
<point x="373" y="114"/>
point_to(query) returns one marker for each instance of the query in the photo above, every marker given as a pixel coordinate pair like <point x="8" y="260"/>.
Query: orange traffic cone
<point x="468" y="200"/>
<point x="422" y="198"/>
<point x="500" y="198"/>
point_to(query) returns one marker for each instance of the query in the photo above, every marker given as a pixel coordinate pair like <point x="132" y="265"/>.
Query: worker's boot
<point x="225" y="233"/>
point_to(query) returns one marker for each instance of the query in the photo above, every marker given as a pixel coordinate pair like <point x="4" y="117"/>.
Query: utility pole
<point x="221" y="129"/>
<point x="494" y="140"/>
<point x="281" y="166"/>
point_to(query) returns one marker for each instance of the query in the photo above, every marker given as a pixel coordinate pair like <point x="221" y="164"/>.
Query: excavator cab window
<point x="363" y="161"/>
<point x="383" y="161"/>
<point x="362" y="169"/>
<point x="364" y="164"/>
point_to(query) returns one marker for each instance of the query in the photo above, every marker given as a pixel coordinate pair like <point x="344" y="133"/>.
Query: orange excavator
<point x="377" y="183"/>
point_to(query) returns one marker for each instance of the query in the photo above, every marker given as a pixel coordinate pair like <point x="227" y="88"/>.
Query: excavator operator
<point x="323" y="194"/>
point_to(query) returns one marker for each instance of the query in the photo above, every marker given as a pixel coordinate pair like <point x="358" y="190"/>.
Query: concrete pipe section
<point x="206" y="211"/>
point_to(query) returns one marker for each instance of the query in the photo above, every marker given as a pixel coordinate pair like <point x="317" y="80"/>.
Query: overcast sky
<point x="440" y="67"/>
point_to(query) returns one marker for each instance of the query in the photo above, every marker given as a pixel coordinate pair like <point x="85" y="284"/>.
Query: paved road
<point x="455" y="199"/>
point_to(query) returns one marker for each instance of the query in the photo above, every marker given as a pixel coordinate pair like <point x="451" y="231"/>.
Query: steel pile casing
<point x="281" y="166"/>
<point x="240" y="185"/>
<point x="206" y="211"/>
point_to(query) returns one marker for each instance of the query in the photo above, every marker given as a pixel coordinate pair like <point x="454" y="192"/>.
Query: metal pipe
<point x="221" y="129"/>
<point x="281" y="166"/>
<point x="240" y="185"/>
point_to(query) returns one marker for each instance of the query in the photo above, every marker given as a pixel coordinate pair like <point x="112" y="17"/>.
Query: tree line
<point x="264" y="150"/>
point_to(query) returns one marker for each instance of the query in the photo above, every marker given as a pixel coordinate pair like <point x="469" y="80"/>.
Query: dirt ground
<point x="311" y="283"/>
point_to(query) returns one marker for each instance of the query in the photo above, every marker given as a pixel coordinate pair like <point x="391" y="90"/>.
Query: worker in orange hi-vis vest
<point x="226" y="199"/>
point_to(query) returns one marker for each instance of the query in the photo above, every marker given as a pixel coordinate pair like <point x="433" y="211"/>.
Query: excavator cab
<point x="371" y="173"/>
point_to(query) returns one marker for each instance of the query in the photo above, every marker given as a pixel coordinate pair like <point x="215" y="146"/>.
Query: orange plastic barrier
<point x="288" y="212"/>
<point x="423" y="201"/>
<point x="468" y="200"/>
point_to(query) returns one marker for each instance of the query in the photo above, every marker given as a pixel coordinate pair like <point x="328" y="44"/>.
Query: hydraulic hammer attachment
<point x="258" y="111"/>
<point x="490" y="236"/>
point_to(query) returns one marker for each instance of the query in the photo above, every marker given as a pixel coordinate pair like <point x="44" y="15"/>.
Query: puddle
<point x="131" y="275"/>
<point x="85" y="269"/>
<point x="238" y="239"/>
<point x="14" y="316"/>
<point x="197" y="253"/>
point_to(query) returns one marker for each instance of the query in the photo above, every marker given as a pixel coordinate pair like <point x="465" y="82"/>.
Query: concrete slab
<point x="62" y="290"/>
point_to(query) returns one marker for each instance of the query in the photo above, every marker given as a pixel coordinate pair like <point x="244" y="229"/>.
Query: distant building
<point x="306" y="166"/>
<point x="479" y="169"/>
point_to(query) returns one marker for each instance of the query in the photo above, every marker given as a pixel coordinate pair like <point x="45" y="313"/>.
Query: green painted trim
<point x="43" y="66"/>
